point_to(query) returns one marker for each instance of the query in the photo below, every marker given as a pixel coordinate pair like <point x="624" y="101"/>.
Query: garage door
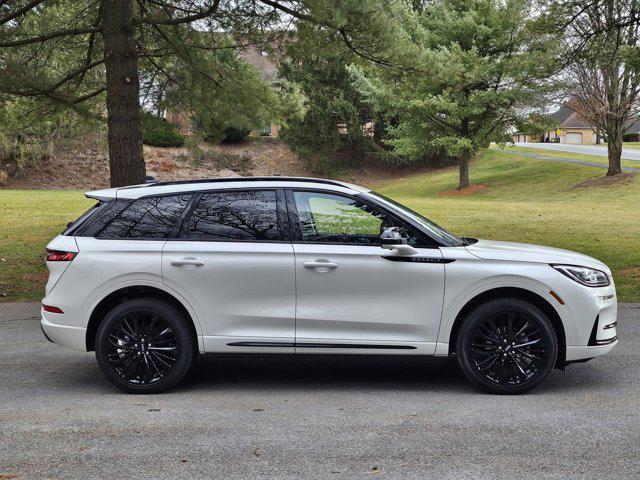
<point x="574" y="138"/>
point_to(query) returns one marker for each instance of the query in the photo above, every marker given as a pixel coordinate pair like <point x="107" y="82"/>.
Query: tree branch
<point x="179" y="20"/>
<point x="20" y="11"/>
<point x="51" y="36"/>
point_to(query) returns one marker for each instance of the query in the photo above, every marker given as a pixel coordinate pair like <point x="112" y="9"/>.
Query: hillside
<point x="84" y="165"/>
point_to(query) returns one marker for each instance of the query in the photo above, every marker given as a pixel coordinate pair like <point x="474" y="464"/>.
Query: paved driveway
<point x="598" y="150"/>
<point x="312" y="418"/>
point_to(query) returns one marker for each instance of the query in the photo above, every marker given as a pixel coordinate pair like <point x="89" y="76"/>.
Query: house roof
<point x="262" y="60"/>
<point x="567" y="117"/>
<point x="575" y="121"/>
<point x="634" y="127"/>
<point x="563" y="113"/>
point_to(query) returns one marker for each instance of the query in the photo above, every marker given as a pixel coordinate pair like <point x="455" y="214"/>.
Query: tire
<point x="151" y="366"/>
<point x="506" y="346"/>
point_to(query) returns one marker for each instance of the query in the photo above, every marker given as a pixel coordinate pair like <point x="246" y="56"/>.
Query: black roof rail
<point x="239" y="179"/>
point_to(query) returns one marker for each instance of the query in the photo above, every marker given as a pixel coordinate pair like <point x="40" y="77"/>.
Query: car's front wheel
<point x="145" y="345"/>
<point x="507" y="345"/>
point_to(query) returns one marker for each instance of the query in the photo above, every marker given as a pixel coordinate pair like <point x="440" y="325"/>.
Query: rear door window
<point x="147" y="218"/>
<point x="250" y="215"/>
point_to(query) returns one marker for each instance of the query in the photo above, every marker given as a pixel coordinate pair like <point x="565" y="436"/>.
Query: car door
<point x="234" y="264"/>
<point x="352" y="295"/>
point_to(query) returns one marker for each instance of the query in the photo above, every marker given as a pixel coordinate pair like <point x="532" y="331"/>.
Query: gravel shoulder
<point x="312" y="417"/>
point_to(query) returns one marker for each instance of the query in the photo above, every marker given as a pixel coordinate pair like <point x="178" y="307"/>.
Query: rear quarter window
<point x="96" y="218"/>
<point x="82" y="219"/>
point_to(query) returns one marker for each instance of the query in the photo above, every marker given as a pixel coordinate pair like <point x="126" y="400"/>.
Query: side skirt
<point x="321" y="345"/>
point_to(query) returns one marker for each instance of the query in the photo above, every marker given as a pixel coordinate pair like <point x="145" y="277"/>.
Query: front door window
<point x="328" y="218"/>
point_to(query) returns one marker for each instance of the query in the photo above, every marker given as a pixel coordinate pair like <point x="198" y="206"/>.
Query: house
<point x="572" y="128"/>
<point x="569" y="127"/>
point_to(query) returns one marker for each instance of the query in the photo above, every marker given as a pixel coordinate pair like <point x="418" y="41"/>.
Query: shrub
<point x="4" y="178"/>
<point x="157" y="132"/>
<point x="630" y="137"/>
<point x="234" y="134"/>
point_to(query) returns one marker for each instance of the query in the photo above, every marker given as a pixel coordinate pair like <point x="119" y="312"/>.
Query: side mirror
<point x="393" y="238"/>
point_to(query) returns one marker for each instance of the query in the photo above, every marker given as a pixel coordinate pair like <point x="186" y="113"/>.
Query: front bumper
<point x="583" y="353"/>
<point x="595" y="311"/>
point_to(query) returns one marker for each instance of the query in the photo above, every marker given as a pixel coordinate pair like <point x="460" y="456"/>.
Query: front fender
<point x="468" y="278"/>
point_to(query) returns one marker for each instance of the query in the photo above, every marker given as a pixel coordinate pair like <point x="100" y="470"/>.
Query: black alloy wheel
<point x="141" y="347"/>
<point x="144" y="346"/>
<point x="507" y="346"/>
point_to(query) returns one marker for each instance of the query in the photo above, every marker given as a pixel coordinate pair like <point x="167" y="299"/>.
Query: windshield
<point x="448" y="238"/>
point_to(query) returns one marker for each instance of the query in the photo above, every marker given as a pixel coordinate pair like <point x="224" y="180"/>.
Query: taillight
<point x="58" y="256"/>
<point x="49" y="308"/>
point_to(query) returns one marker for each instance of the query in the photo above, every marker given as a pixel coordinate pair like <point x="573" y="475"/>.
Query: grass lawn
<point x="522" y="200"/>
<point x="28" y="220"/>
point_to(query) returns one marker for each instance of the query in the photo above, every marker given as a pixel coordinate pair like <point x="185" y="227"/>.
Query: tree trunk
<point x="463" y="163"/>
<point x="614" y="150"/>
<point x="126" y="160"/>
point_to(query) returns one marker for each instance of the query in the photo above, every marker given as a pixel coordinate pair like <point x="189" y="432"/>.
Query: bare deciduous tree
<point x="605" y="67"/>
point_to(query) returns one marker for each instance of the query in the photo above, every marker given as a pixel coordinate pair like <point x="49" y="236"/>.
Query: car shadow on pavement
<point x="328" y="371"/>
<point x="322" y="372"/>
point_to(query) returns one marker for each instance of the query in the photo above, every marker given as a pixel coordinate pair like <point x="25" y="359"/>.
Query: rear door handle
<point x="321" y="265"/>
<point x="180" y="262"/>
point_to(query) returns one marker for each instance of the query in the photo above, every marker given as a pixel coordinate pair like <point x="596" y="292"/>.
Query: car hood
<point x="525" y="252"/>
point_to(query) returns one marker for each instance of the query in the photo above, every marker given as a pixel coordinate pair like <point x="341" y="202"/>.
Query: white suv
<point x="157" y="273"/>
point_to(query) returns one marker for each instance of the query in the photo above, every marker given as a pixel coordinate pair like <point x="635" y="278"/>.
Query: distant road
<point x="598" y="150"/>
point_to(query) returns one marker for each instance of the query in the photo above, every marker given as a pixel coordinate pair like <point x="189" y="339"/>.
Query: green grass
<point x="523" y="200"/>
<point x="533" y="201"/>
<point x="28" y="220"/>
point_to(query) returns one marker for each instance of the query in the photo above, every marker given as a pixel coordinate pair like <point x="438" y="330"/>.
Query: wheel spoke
<point x="527" y="344"/>
<point x="126" y="328"/>
<point x="488" y="363"/>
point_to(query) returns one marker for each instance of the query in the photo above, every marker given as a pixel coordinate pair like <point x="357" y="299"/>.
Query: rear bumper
<point x="70" y="337"/>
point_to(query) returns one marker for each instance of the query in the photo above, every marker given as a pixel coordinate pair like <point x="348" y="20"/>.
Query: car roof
<point x="183" y="186"/>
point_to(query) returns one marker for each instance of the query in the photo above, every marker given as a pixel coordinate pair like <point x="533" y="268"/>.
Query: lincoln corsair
<point x="154" y="275"/>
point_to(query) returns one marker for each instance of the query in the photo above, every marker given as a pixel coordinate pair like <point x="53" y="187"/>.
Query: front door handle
<point x="321" y="265"/>
<point x="180" y="262"/>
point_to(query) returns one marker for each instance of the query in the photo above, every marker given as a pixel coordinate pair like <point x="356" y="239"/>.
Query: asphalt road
<point x="598" y="150"/>
<point x="312" y="418"/>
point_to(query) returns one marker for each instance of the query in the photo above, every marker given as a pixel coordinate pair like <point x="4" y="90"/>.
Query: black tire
<point x="151" y="366"/>
<point x="506" y="346"/>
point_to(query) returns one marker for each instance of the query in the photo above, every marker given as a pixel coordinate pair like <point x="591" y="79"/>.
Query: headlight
<point x="586" y="276"/>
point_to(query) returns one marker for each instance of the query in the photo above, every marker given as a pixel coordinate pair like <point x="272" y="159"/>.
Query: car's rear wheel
<point x="145" y="345"/>
<point x="507" y="346"/>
